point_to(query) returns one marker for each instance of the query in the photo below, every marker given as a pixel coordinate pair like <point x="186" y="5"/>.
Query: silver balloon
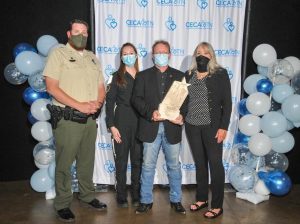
<point x="37" y="82"/>
<point x="276" y="161"/>
<point x="295" y="83"/>
<point x="13" y="76"/>
<point x="281" y="71"/>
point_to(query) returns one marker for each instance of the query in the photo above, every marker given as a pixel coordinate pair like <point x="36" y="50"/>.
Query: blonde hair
<point x="212" y="65"/>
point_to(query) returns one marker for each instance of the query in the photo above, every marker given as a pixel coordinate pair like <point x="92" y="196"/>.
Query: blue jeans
<point x="150" y="154"/>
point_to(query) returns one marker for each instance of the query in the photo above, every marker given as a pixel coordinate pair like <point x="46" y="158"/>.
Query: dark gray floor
<point x="20" y="204"/>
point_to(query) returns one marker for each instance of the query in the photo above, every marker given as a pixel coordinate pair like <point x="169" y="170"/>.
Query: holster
<point x="56" y="114"/>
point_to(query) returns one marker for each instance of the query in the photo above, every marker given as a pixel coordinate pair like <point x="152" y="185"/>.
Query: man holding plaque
<point x="150" y="88"/>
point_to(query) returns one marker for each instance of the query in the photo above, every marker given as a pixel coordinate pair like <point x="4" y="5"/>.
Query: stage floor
<point x="20" y="204"/>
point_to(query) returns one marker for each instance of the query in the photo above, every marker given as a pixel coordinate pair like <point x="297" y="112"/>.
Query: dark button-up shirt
<point x="119" y="97"/>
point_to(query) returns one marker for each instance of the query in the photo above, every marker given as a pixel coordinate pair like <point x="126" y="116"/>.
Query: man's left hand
<point x="178" y="120"/>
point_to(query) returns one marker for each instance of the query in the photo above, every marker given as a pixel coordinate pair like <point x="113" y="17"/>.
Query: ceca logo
<point x="228" y="25"/>
<point x="177" y="51"/>
<point x="109" y="70"/>
<point x="109" y="166"/>
<point x="203" y="4"/>
<point x="143" y="23"/>
<point x="104" y="146"/>
<point x="170" y="2"/>
<point x="230" y="3"/>
<point x="118" y="2"/>
<point x="227" y="52"/>
<point x="111" y="22"/>
<point x="199" y="24"/>
<point x="142" y="51"/>
<point x="230" y="72"/>
<point x="170" y="24"/>
<point x="142" y="3"/>
<point x="108" y="49"/>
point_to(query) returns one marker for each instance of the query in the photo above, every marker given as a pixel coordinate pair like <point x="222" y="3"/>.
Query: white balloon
<point x="39" y="110"/>
<point x="260" y="188"/>
<point x="295" y="63"/>
<point x="41" y="166"/>
<point x="264" y="55"/>
<point x="258" y="103"/>
<point x="249" y="124"/>
<point x="41" y="131"/>
<point x="250" y="82"/>
<point x="260" y="144"/>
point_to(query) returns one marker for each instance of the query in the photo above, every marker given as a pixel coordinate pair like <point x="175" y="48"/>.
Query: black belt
<point x="68" y="113"/>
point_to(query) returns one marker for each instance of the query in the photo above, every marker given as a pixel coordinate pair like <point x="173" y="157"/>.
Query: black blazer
<point x="219" y="98"/>
<point x="146" y="98"/>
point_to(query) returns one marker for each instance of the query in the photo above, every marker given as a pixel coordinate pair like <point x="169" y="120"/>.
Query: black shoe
<point x="178" y="207"/>
<point x="143" y="208"/>
<point x="122" y="203"/>
<point x="65" y="215"/>
<point x="96" y="204"/>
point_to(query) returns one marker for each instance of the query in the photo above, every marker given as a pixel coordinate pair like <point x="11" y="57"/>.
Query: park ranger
<point x="75" y="81"/>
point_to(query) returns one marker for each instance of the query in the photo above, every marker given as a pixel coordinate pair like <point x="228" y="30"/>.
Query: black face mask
<point x="202" y="63"/>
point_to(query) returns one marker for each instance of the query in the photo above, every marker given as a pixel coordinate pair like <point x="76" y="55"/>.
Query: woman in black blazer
<point x="122" y="120"/>
<point x="206" y="123"/>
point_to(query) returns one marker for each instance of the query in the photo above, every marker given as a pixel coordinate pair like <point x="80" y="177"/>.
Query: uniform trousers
<point x="74" y="141"/>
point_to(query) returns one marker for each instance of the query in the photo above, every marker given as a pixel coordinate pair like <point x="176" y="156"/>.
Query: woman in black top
<point x="122" y="121"/>
<point x="206" y="124"/>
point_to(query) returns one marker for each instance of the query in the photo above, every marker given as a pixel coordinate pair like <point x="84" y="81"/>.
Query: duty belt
<point x="68" y="113"/>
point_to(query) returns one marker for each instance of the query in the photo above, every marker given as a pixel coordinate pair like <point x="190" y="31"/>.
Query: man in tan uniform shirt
<point x="74" y="79"/>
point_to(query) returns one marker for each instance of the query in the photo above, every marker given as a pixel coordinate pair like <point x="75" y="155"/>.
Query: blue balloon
<point x="278" y="182"/>
<point x="291" y="108"/>
<point x="264" y="86"/>
<point x="45" y="43"/>
<point x="40" y="181"/>
<point x="29" y="63"/>
<point x="281" y="92"/>
<point x="31" y="118"/>
<point x="242" y="109"/>
<point x="29" y="95"/>
<point x="262" y="70"/>
<point x="22" y="47"/>
<point x="242" y="178"/>
<point x="241" y="138"/>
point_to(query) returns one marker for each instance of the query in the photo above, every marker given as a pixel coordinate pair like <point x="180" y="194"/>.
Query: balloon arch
<point x="266" y="116"/>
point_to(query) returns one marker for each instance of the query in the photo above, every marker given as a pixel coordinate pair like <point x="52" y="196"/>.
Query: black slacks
<point x="128" y="145"/>
<point x="206" y="151"/>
